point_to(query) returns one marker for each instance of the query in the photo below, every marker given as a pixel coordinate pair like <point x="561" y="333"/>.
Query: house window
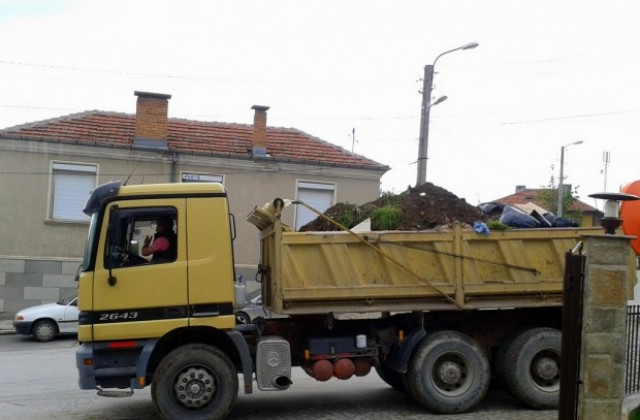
<point x="197" y="177"/>
<point x="71" y="184"/>
<point x="318" y="195"/>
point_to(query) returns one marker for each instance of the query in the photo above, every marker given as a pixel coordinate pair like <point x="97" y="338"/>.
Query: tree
<point x="548" y="195"/>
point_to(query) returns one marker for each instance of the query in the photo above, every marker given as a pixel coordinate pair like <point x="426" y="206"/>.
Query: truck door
<point x="136" y="296"/>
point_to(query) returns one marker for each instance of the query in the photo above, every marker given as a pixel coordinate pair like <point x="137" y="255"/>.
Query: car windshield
<point x="67" y="297"/>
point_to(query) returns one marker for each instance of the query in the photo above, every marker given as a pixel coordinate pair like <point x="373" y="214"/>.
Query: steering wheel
<point x="129" y="258"/>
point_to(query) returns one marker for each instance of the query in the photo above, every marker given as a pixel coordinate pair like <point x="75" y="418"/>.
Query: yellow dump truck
<point x="437" y="314"/>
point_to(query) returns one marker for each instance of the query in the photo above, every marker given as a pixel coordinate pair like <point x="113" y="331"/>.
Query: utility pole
<point x="561" y="179"/>
<point x="606" y="159"/>
<point x="427" y="85"/>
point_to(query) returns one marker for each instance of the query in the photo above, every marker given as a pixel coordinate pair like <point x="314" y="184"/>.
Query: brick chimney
<point x="151" y="120"/>
<point x="259" y="140"/>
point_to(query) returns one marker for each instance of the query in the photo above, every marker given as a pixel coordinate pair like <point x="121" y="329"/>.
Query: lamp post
<point x="561" y="179"/>
<point x="424" y="116"/>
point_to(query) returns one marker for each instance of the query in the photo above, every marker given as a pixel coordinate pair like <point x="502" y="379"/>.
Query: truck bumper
<point x="86" y="366"/>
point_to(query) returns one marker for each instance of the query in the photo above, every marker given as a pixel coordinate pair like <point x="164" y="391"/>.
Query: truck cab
<point x="136" y="309"/>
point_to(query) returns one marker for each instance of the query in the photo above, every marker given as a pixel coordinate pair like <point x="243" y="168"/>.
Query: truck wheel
<point x="448" y="373"/>
<point x="391" y="377"/>
<point x="532" y="367"/>
<point x="195" y="381"/>
<point x="499" y="364"/>
<point x="44" y="330"/>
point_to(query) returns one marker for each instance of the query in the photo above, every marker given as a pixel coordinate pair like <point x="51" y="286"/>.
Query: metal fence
<point x="632" y="374"/>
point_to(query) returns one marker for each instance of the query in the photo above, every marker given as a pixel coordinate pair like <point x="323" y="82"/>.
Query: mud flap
<point x="400" y="355"/>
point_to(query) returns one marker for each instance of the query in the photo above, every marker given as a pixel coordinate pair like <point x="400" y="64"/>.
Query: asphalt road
<point x="39" y="381"/>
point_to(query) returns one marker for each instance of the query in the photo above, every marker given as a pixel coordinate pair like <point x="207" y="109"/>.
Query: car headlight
<point x="19" y="317"/>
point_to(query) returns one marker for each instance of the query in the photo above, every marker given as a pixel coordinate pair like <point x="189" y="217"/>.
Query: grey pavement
<point x="630" y="402"/>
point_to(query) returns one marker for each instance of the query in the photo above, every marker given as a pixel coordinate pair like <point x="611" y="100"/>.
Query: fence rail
<point x="632" y="374"/>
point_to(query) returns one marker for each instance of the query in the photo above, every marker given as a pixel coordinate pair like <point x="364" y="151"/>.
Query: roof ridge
<point x="68" y="117"/>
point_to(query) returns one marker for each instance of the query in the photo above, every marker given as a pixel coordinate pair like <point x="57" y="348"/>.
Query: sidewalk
<point x="6" y="324"/>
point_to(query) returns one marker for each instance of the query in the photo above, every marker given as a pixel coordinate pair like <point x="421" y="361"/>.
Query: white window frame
<point x="313" y="185"/>
<point x="61" y="175"/>
<point x="189" y="176"/>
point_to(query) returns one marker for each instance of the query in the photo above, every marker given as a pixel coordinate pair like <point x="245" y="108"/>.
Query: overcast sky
<point x="546" y="74"/>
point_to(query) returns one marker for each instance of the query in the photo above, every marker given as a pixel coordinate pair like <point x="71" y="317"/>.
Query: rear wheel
<point x="44" y="330"/>
<point x="448" y="373"/>
<point x="195" y="381"/>
<point x="390" y="377"/>
<point x="532" y="367"/>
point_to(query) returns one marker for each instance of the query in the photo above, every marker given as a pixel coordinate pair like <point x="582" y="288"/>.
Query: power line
<point x="94" y="70"/>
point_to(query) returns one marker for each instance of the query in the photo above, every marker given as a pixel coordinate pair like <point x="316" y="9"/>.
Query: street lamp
<point x="426" y="106"/>
<point x="561" y="179"/>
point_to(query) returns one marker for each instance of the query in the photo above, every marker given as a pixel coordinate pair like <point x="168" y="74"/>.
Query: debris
<point x="421" y="208"/>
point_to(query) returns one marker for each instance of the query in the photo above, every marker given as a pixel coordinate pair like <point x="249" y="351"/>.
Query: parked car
<point x="253" y="310"/>
<point x="46" y="321"/>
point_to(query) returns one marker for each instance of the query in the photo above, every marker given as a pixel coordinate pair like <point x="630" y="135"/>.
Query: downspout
<point x="174" y="167"/>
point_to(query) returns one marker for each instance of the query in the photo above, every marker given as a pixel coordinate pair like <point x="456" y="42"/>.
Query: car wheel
<point x="243" y="318"/>
<point x="44" y="330"/>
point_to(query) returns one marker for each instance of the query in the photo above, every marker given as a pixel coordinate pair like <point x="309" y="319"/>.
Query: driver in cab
<point x="162" y="246"/>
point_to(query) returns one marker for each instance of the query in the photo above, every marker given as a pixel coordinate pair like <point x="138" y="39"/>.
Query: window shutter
<point x="318" y="196"/>
<point x="72" y="185"/>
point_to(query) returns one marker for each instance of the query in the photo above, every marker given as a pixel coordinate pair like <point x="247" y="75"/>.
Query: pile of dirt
<point x="424" y="207"/>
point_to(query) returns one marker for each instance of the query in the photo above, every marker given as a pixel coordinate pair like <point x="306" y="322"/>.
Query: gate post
<point x="602" y="360"/>
<point x="571" y="334"/>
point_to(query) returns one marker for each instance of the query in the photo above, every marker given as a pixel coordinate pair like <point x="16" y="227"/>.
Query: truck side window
<point x="141" y="237"/>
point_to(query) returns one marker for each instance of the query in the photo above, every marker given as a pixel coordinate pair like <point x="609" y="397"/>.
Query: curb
<point x="6" y="327"/>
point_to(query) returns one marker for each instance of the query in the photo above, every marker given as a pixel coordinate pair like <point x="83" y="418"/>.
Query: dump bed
<point x="321" y="272"/>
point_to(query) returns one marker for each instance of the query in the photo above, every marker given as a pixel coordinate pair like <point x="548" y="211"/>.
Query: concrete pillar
<point x="602" y="366"/>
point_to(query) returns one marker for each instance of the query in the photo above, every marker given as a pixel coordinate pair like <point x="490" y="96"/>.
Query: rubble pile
<point x="425" y="207"/>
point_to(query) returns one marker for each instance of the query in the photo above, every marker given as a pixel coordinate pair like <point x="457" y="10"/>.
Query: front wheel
<point x="44" y="330"/>
<point x="195" y="381"/>
<point x="448" y="373"/>
<point x="390" y="377"/>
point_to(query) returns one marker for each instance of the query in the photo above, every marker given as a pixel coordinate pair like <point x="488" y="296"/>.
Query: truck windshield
<point x="93" y="226"/>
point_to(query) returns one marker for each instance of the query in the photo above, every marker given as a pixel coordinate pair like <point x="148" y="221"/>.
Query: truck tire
<point x="499" y="365"/>
<point x="448" y="373"/>
<point x="531" y="370"/>
<point x="391" y="377"/>
<point x="195" y="381"/>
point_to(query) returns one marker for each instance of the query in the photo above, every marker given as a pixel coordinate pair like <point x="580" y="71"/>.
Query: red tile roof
<point x="211" y="138"/>
<point x="530" y="195"/>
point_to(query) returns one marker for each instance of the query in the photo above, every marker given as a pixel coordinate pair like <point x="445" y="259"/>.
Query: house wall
<point x="29" y="234"/>
<point x="26" y="282"/>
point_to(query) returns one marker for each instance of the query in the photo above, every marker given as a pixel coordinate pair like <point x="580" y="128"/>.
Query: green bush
<point x="348" y="215"/>
<point x="387" y="217"/>
<point x="497" y="225"/>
